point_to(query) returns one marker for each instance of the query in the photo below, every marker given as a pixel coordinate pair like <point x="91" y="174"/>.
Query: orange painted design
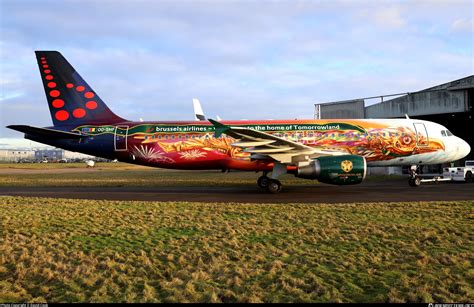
<point x="52" y="84"/>
<point x="49" y="77"/>
<point x="62" y="115"/>
<point x="69" y="85"/>
<point x="45" y="66"/>
<point x="79" y="113"/>
<point x="47" y="71"/>
<point x="91" y="105"/>
<point x="80" y="88"/>
<point x="58" y="103"/>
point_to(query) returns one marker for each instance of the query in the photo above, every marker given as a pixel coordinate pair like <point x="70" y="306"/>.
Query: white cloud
<point x="463" y="25"/>
<point x="380" y="16"/>
<point x="243" y="59"/>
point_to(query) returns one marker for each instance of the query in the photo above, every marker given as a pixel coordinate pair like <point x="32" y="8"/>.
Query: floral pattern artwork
<point x="192" y="154"/>
<point x="150" y="154"/>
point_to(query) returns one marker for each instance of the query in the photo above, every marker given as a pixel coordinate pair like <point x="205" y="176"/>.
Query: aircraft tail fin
<point x="71" y="100"/>
<point x="198" y="112"/>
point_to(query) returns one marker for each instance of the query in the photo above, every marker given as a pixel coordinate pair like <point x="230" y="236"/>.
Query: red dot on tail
<point x="62" y="115"/>
<point x="69" y="85"/>
<point x="51" y="84"/>
<point x="49" y="77"/>
<point x="91" y="105"/>
<point x="80" y="88"/>
<point x="43" y="58"/>
<point x="54" y="93"/>
<point x="79" y="113"/>
<point x="89" y="95"/>
<point x="45" y="66"/>
<point x="58" y="103"/>
<point x="47" y="71"/>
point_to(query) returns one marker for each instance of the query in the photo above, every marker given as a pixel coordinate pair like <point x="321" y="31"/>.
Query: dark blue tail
<point x="71" y="100"/>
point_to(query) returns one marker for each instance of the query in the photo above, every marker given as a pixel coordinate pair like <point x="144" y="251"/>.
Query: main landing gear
<point x="271" y="185"/>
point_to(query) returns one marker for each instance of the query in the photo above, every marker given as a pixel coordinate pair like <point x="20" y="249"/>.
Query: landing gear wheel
<point x="414" y="182"/>
<point x="468" y="177"/>
<point x="274" y="186"/>
<point x="263" y="181"/>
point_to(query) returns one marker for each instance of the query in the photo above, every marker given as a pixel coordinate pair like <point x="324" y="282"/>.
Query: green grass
<point x="122" y="174"/>
<point x="59" y="250"/>
<point x="39" y="166"/>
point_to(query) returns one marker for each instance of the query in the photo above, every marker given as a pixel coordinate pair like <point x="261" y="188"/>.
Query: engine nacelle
<point x="339" y="170"/>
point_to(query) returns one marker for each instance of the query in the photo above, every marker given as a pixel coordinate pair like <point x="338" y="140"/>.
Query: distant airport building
<point x="37" y="155"/>
<point x="449" y="104"/>
<point x="49" y="154"/>
<point x="16" y="155"/>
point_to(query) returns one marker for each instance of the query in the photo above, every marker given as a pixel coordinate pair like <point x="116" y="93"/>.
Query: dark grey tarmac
<point x="381" y="191"/>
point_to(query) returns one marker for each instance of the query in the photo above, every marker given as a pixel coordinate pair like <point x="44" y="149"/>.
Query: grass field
<point x="122" y="174"/>
<point x="60" y="250"/>
<point x="100" y="165"/>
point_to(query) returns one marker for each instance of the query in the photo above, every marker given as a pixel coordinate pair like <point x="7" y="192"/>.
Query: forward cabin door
<point x="421" y="134"/>
<point x="120" y="138"/>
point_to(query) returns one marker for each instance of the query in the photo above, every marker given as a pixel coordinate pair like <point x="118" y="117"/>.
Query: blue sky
<point x="242" y="59"/>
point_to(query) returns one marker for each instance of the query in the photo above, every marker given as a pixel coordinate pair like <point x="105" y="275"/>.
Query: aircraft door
<point x="421" y="134"/>
<point x="120" y="138"/>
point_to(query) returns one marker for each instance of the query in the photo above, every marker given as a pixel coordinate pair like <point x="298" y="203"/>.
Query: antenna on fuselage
<point x="407" y="117"/>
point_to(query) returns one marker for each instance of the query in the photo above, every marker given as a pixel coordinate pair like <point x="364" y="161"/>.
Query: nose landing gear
<point x="414" y="180"/>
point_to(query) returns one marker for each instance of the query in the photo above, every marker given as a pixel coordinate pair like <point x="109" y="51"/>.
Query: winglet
<point x="220" y="128"/>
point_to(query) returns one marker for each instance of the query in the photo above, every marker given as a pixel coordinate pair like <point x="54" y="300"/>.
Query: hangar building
<point x="449" y="104"/>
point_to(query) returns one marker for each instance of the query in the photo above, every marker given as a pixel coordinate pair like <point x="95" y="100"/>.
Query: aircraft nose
<point x="460" y="148"/>
<point x="464" y="149"/>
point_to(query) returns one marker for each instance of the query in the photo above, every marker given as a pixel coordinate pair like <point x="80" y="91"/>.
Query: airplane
<point x="199" y="113"/>
<point x="332" y="151"/>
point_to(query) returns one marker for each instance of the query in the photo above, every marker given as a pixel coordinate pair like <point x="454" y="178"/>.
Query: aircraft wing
<point x="263" y="145"/>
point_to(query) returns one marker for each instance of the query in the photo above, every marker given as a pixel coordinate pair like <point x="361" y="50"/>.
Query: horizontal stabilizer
<point x="45" y="132"/>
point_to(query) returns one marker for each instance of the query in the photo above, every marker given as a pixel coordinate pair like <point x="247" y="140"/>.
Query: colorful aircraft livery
<point x="332" y="151"/>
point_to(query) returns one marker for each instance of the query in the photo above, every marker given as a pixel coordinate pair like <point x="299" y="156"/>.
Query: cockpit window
<point x="446" y="133"/>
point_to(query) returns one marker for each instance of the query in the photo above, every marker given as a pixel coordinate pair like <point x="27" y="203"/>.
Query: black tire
<point x="414" y="182"/>
<point x="274" y="186"/>
<point x="263" y="181"/>
<point x="468" y="177"/>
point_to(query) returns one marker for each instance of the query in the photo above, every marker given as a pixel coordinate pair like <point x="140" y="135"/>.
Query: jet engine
<point x="339" y="170"/>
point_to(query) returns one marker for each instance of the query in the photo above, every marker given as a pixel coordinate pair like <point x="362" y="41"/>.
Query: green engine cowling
<point x="338" y="170"/>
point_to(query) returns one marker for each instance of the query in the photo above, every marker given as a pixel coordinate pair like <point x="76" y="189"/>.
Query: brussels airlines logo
<point x="346" y="166"/>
